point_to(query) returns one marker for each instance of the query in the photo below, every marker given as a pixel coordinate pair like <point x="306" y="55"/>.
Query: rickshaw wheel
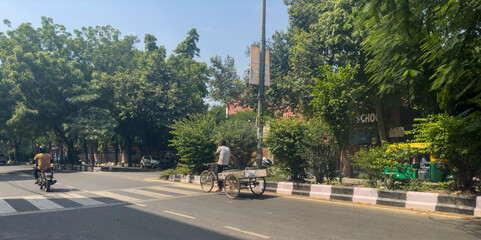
<point x="231" y="186"/>
<point x="257" y="185"/>
<point x="207" y="181"/>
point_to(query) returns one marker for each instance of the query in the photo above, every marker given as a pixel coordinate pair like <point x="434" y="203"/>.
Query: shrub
<point x="285" y="143"/>
<point x="166" y="173"/>
<point x="194" y="142"/>
<point x="372" y="162"/>
<point x="456" y="140"/>
<point x="276" y="173"/>
<point x="241" y="139"/>
<point x="319" y="152"/>
<point x="394" y="158"/>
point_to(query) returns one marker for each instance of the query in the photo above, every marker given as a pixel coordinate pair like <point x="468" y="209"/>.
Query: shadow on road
<point x="243" y="196"/>
<point x="108" y="222"/>
<point x="470" y="226"/>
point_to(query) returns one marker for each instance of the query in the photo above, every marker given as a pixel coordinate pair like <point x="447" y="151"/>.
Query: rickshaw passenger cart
<point x="252" y="178"/>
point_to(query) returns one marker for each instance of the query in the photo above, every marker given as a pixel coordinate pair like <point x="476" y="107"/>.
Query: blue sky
<point x="225" y="26"/>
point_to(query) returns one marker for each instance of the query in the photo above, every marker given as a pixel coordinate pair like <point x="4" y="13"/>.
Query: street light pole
<point x="260" y="96"/>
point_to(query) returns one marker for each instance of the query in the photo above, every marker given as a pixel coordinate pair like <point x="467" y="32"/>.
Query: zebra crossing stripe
<point x="174" y="190"/>
<point x="148" y="193"/>
<point x="5" y="207"/>
<point x="42" y="203"/>
<point x="119" y="197"/>
<point x="82" y="200"/>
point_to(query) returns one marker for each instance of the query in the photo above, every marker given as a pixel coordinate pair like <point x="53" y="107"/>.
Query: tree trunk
<point x="92" y="154"/>
<point x="70" y="152"/>
<point x="346" y="162"/>
<point x="340" y="165"/>
<point x="16" y="146"/>
<point x="116" y="153"/>
<point x="380" y="120"/>
<point x="60" y="149"/>
<point x="86" y="150"/>
<point x="226" y="110"/>
<point x="129" y="151"/>
<point x="70" y="145"/>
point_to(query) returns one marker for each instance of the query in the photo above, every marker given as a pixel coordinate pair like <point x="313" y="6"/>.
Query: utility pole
<point x="260" y="96"/>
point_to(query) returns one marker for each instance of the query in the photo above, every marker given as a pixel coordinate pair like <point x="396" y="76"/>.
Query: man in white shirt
<point x="224" y="154"/>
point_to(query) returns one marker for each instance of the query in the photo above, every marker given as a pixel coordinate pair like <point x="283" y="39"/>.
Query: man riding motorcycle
<point x="42" y="160"/>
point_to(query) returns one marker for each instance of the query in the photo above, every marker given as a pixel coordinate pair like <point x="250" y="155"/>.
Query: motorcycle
<point x="45" y="179"/>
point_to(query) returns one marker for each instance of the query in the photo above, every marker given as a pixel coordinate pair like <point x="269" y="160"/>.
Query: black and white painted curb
<point x="459" y="204"/>
<point x="85" y="168"/>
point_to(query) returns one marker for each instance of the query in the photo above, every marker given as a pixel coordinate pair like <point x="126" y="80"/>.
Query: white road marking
<point x="116" y="196"/>
<point x="147" y="193"/>
<point x="180" y="214"/>
<point x="247" y="232"/>
<point x="85" y="201"/>
<point x="42" y="202"/>
<point x="167" y="189"/>
<point x="5" y="207"/>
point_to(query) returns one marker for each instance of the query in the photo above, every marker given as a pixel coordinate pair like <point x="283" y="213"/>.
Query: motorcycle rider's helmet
<point x="42" y="149"/>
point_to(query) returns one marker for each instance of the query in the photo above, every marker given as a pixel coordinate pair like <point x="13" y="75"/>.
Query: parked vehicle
<point x="45" y="179"/>
<point x="150" y="161"/>
<point x="3" y="159"/>
<point x="423" y="167"/>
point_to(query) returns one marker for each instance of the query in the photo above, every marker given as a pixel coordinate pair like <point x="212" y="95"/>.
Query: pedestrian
<point x="223" y="152"/>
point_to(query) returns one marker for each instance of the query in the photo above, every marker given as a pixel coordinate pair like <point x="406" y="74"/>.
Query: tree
<point x="188" y="48"/>
<point x="320" y="34"/>
<point x="335" y="94"/>
<point x="224" y="84"/>
<point x="396" y="32"/>
<point x="430" y="53"/>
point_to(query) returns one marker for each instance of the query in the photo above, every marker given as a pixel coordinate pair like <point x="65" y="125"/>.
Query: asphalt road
<point x="133" y="205"/>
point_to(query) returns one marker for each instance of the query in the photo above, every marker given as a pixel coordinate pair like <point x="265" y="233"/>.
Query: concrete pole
<point x="260" y="104"/>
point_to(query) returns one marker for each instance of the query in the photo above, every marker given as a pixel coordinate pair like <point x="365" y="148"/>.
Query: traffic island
<point x="421" y="201"/>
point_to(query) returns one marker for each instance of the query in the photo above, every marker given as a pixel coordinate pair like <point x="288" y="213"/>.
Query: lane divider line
<point x="180" y="214"/>
<point x="247" y="232"/>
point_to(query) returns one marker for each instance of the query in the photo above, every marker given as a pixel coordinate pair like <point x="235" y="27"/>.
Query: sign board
<point x="396" y="132"/>
<point x="254" y="68"/>
<point x="367" y="118"/>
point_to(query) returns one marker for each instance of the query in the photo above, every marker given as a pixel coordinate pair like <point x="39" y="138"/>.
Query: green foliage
<point x="188" y="48"/>
<point x="94" y="85"/>
<point x="424" y="50"/>
<point x="194" y="141"/>
<point x="218" y="113"/>
<point x="372" y="162"/>
<point x="452" y="141"/>
<point x="277" y="174"/>
<point x="244" y="115"/>
<point x="285" y="142"/>
<point x="394" y="159"/>
<point x="241" y="139"/>
<point x="335" y="95"/>
<point x="417" y="186"/>
<point x="224" y="84"/>
<point x="423" y="186"/>
<point x="319" y="152"/>
<point x="164" y="175"/>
